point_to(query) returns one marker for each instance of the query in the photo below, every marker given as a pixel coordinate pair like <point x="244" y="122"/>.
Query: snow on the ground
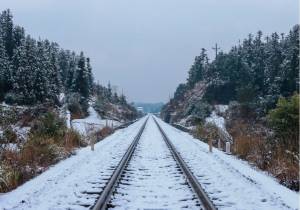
<point x="221" y="108"/>
<point x="152" y="180"/>
<point x="92" y="122"/>
<point x="5" y="105"/>
<point x="230" y="182"/>
<point x="218" y="121"/>
<point x="68" y="119"/>
<point x="21" y="132"/>
<point x="63" y="185"/>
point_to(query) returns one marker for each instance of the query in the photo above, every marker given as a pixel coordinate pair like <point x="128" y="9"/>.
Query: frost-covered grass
<point x="25" y="154"/>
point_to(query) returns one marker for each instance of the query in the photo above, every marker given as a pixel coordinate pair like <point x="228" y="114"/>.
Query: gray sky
<point x="146" y="47"/>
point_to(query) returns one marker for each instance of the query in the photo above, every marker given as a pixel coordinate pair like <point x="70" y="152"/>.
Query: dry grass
<point x="104" y="132"/>
<point x="35" y="156"/>
<point x="252" y="143"/>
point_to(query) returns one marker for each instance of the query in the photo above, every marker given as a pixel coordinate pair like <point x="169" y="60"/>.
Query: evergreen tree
<point x="81" y="78"/>
<point x="4" y="70"/>
<point x="109" y="92"/>
<point x="90" y="74"/>
<point x="6" y="30"/>
<point x="290" y="65"/>
<point x="41" y="81"/>
<point x="198" y="68"/>
<point x="24" y="69"/>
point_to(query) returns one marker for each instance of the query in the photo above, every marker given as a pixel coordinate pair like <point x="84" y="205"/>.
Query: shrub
<point x="207" y="132"/>
<point x="199" y="110"/>
<point x="11" y="171"/>
<point x="11" y="98"/>
<point x="9" y="136"/>
<point x="221" y="93"/>
<point x="104" y="132"/>
<point x="284" y="120"/>
<point x="50" y="125"/>
<point x="73" y="140"/>
<point x="77" y="105"/>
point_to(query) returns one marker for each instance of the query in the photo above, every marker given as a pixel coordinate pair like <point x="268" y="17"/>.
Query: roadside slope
<point x="62" y="186"/>
<point x="230" y="182"/>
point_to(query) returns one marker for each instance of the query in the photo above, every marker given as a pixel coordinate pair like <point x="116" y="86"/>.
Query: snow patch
<point x="221" y="108"/>
<point x="92" y="122"/>
<point x="218" y="121"/>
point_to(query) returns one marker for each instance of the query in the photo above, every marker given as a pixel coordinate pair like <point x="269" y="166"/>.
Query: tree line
<point x="38" y="71"/>
<point x="255" y="72"/>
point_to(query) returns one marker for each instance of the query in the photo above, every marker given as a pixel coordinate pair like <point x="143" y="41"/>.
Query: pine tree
<point x="24" y="69"/>
<point x="109" y="92"/>
<point x="198" y="68"/>
<point x="18" y="36"/>
<point x="53" y="73"/>
<point x="81" y="78"/>
<point x="290" y="64"/>
<point x="6" y="30"/>
<point x="4" y="70"/>
<point x="273" y="65"/>
<point x="90" y="74"/>
<point x="41" y="81"/>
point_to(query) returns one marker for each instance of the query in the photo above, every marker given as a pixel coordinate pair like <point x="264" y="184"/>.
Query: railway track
<point x="170" y="166"/>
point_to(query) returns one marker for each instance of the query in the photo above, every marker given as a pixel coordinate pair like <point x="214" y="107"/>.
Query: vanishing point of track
<point x="105" y="196"/>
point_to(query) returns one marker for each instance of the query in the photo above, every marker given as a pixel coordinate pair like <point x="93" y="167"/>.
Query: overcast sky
<point x="146" y="47"/>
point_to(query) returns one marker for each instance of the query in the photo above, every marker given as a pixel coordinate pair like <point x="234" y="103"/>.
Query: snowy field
<point x="63" y="185"/>
<point x="229" y="182"/>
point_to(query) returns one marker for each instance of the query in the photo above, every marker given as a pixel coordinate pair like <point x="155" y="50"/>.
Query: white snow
<point x="152" y="180"/>
<point x="92" y="122"/>
<point x="221" y="108"/>
<point x="63" y="185"/>
<point x="218" y="121"/>
<point x="68" y="119"/>
<point x="230" y="182"/>
<point x="61" y="97"/>
<point x="21" y="132"/>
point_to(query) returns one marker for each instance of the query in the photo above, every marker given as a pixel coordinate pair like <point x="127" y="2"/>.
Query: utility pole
<point x="216" y="48"/>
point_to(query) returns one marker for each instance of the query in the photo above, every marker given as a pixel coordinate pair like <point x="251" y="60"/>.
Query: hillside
<point x="49" y="104"/>
<point x="256" y="84"/>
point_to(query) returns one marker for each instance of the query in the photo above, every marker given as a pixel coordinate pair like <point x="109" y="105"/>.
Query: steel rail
<point x="192" y="180"/>
<point x="105" y="195"/>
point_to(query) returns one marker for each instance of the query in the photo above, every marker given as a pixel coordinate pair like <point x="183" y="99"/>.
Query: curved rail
<point x="206" y="202"/>
<point x="104" y="198"/>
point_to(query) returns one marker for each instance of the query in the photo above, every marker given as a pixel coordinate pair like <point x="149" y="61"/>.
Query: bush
<point x="11" y="171"/>
<point x="9" y="135"/>
<point x="73" y="140"/>
<point x="207" y="132"/>
<point x="77" y="105"/>
<point x="11" y="98"/>
<point x="220" y="93"/>
<point x="284" y="120"/>
<point x="50" y="125"/>
<point x="199" y="110"/>
<point x="104" y="132"/>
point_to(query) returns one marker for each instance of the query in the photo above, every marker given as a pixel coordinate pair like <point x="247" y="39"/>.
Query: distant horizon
<point x="137" y="45"/>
